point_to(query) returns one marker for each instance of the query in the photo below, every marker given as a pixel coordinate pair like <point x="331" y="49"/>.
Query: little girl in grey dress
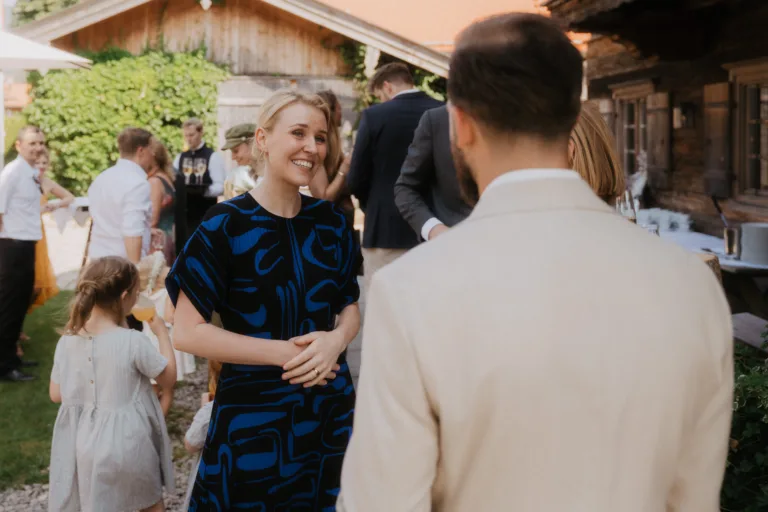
<point x="111" y="451"/>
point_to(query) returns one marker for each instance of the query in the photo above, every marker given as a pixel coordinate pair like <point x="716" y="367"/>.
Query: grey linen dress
<point x="111" y="451"/>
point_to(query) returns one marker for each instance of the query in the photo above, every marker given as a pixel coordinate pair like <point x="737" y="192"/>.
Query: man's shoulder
<point x="16" y="166"/>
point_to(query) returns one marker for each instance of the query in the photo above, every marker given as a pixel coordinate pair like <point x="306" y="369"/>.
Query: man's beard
<point x="467" y="185"/>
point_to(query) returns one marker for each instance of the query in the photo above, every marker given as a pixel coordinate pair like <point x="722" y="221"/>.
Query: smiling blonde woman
<point x="281" y="270"/>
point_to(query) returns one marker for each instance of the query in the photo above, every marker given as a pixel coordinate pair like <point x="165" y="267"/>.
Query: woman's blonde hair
<point x="214" y="370"/>
<point x="268" y="115"/>
<point x="594" y="156"/>
<point x="102" y="284"/>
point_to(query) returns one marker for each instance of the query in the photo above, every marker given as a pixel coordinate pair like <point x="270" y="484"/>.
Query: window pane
<point x="643" y="126"/>
<point x="753" y="136"/>
<point x="763" y="127"/>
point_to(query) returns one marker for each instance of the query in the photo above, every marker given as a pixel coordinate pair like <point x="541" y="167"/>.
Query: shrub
<point x="82" y="111"/>
<point x="13" y="124"/>
<point x="745" y="488"/>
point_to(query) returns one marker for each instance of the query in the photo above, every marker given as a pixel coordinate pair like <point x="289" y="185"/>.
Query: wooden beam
<point x="366" y="33"/>
<point x="748" y="329"/>
<point x="90" y="12"/>
<point x="74" y="18"/>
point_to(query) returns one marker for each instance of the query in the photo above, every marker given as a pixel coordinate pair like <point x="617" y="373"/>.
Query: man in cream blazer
<point x="546" y="355"/>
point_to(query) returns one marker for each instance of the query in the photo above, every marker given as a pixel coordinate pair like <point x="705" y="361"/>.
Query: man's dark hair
<point x="131" y="139"/>
<point x="26" y="130"/>
<point x="394" y="72"/>
<point x="517" y="73"/>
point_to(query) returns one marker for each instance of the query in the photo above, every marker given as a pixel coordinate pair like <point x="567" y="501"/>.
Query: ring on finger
<point x="317" y="373"/>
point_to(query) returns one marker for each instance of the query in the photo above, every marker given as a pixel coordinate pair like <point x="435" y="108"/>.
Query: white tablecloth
<point x="699" y="242"/>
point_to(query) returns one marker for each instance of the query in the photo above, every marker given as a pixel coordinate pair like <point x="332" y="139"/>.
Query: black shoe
<point x="17" y="376"/>
<point x="29" y="364"/>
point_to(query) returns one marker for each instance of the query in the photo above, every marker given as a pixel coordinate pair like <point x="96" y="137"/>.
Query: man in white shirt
<point x="20" y="229"/>
<point x="119" y="201"/>
<point x="544" y="355"/>
<point x="200" y="175"/>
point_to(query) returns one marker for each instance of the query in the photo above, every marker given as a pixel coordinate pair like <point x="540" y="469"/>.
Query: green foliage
<point x="353" y="55"/>
<point x="81" y="112"/>
<point x="745" y="488"/>
<point x="13" y="124"/>
<point x="26" y="442"/>
<point x="30" y="10"/>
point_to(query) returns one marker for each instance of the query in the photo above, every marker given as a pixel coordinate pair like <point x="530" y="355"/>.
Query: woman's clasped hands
<point x="316" y="363"/>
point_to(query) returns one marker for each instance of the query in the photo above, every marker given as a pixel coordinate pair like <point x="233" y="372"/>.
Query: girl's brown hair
<point x="214" y="370"/>
<point x="593" y="155"/>
<point x="102" y="284"/>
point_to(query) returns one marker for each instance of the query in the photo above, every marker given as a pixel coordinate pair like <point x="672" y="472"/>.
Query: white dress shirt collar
<point x="532" y="174"/>
<point x="130" y="165"/>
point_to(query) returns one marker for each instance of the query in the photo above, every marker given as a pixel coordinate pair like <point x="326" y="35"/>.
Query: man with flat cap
<point x="239" y="140"/>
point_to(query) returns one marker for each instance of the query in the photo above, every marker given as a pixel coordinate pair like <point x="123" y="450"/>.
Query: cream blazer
<point x="545" y="355"/>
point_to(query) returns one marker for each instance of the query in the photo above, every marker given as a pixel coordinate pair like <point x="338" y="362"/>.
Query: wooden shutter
<point x="717" y="139"/>
<point x="659" y="129"/>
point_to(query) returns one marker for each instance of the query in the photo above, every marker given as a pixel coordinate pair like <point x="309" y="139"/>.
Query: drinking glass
<point x="144" y="310"/>
<point x="625" y="206"/>
<point x="731" y="240"/>
<point x="187" y="169"/>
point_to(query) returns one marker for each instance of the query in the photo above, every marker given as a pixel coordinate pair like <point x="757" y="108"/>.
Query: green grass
<point x="27" y="418"/>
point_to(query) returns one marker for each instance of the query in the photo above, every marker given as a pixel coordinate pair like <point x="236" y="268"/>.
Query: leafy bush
<point x="30" y="10"/>
<point x="13" y="124"/>
<point x="82" y="111"/>
<point x="745" y="488"/>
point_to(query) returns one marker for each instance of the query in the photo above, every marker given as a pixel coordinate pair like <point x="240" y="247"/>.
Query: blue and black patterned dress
<point x="272" y="446"/>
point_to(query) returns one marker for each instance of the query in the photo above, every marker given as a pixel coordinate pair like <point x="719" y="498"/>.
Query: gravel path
<point x="186" y="401"/>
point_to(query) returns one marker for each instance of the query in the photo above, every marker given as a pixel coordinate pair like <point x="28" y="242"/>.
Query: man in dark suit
<point x="427" y="191"/>
<point x="384" y="134"/>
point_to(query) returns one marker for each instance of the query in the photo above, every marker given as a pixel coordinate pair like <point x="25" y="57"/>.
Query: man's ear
<point x="463" y="128"/>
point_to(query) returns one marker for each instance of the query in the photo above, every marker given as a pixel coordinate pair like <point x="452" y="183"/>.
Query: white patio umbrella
<point x="19" y="53"/>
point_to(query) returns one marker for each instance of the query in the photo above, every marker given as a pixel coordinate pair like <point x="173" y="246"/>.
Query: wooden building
<point x="266" y="44"/>
<point x="685" y="83"/>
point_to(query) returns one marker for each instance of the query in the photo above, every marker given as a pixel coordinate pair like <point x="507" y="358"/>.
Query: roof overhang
<point x="90" y="12"/>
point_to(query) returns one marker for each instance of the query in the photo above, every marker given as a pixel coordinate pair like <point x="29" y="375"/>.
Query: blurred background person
<point x="239" y="140"/>
<point x="162" y="194"/>
<point x="592" y="155"/>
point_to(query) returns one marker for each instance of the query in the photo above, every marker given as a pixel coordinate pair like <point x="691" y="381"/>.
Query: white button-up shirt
<point x="20" y="201"/>
<point x="216" y="170"/>
<point x="120" y="207"/>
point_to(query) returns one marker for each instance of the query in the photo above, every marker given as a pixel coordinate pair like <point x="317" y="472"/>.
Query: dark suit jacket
<point x="383" y="136"/>
<point x="428" y="186"/>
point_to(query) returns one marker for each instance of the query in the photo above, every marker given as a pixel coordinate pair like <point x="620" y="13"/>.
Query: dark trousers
<point x="17" y="280"/>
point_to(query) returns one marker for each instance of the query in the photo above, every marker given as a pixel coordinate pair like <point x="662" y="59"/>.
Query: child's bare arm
<point x="54" y="390"/>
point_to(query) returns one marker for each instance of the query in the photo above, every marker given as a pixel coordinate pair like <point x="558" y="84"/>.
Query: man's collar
<point x="133" y="166"/>
<point x="532" y="174"/>
<point x="529" y="190"/>
<point x="407" y="91"/>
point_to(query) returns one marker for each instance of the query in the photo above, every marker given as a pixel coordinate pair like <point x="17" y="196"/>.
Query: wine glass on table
<point x="625" y="206"/>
